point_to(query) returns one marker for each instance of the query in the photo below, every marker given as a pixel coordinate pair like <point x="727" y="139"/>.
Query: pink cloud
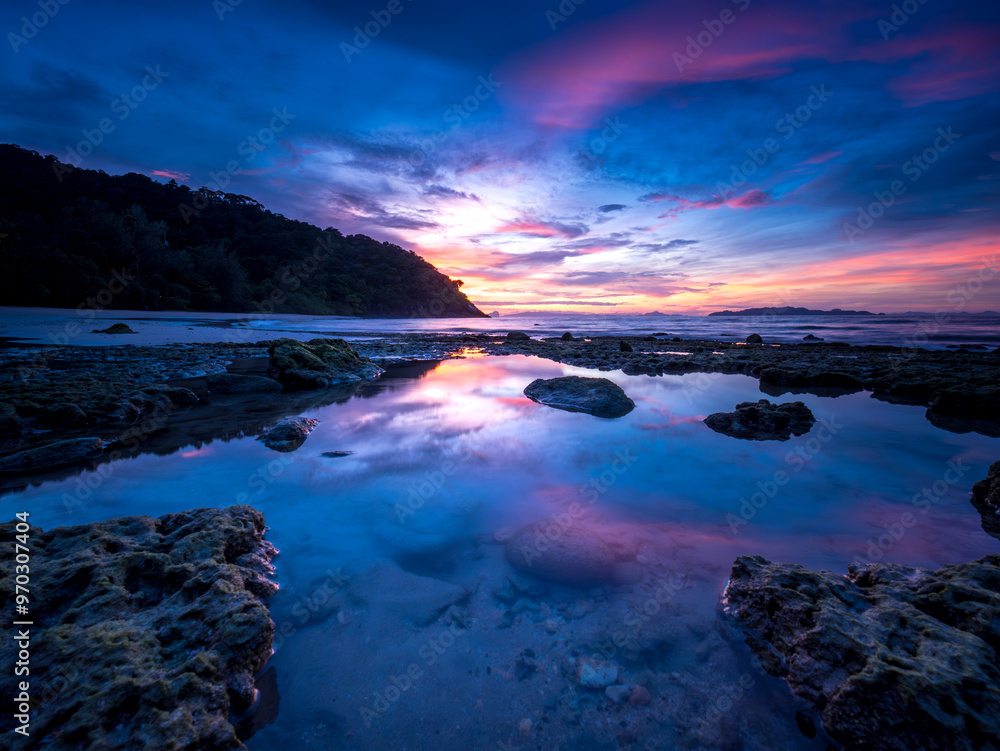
<point x="172" y="175"/>
<point x="824" y="156"/>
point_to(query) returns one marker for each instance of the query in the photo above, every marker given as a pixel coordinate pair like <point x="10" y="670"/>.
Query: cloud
<point x="442" y="191"/>
<point x="534" y="228"/>
<point x="171" y="175"/>
<point x="369" y="209"/>
<point x="611" y="207"/>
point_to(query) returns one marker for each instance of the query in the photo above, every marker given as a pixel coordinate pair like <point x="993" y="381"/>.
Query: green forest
<point x="72" y="237"/>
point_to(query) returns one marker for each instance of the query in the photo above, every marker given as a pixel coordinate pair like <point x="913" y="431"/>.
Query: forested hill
<point x="69" y="234"/>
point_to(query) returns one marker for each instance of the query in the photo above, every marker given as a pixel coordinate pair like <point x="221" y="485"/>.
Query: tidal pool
<point x="402" y="625"/>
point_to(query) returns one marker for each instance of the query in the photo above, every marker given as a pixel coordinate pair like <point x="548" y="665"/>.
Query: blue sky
<point x="602" y="157"/>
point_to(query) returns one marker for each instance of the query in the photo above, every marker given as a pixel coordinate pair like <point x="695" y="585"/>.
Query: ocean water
<point x="932" y="331"/>
<point x="422" y="646"/>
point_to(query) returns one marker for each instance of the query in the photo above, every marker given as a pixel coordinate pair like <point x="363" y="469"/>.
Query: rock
<point x="980" y="400"/>
<point x="763" y="421"/>
<point x="561" y="553"/>
<point x="624" y="346"/>
<point x="517" y="336"/>
<point x="820" y="378"/>
<point x="595" y="396"/>
<point x="52" y="455"/>
<point x="148" y="632"/>
<point x="288" y="434"/>
<point x="640" y="697"/>
<point x="892" y="657"/>
<point x="318" y="363"/>
<point x="234" y="383"/>
<point x="567" y="337"/>
<point x="336" y="454"/>
<point x="755" y="339"/>
<point x="115" y="328"/>
<point x="986" y="499"/>
<point x="176" y="396"/>
<point x="595" y="673"/>
<point x="617" y="693"/>
<point x="812" y="338"/>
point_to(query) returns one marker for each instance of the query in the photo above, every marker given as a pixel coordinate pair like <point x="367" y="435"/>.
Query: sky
<point x="603" y="157"/>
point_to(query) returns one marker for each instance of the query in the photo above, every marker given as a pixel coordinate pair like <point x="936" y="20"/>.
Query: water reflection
<point x="402" y="623"/>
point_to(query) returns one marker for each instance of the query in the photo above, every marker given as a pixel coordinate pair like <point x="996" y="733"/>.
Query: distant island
<point x="789" y="311"/>
<point x="76" y="238"/>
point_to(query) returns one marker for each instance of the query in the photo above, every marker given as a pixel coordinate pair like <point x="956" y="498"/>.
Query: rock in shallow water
<point x="986" y="499"/>
<point x="148" y="631"/>
<point x="763" y="421"/>
<point x="893" y="657"/>
<point x="594" y="396"/>
<point x="561" y="553"/>
<point x="288" y="434"/>
<point x="234" y="383"/>
<point x="318" y="363"/>
<point x="53" y="455"/>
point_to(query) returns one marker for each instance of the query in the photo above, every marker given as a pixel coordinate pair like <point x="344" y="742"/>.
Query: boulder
<point x="755" y="339"/>
<point x="812" y="338"/>
<point x="561" y="553"/>
<point x="981" y="400"/>
<point x="234" y="383"/>
<point x="52" y="455"/>
<point x="567" y="337"/>
<point x="517" y="336"/>
<point x="892" y="657"/>
<point x="317" y="363"/>
<point x="986" y="499"/>
<point x="148" y="632"/>
<point x="288" y="434"/>
<point x="115" y="328"/>
<point x="763" y="421"/>
<point x="624" y="346"/>
<point x="595" y="396"/>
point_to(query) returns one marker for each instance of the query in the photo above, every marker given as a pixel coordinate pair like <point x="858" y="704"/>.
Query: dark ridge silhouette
<point x="72" y="237"/>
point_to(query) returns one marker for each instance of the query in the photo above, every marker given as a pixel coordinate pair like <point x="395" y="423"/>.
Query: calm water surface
<point x="447" y="463"/>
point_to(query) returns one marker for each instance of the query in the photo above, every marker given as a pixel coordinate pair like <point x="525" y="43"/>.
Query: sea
<point x="928" y="330"/>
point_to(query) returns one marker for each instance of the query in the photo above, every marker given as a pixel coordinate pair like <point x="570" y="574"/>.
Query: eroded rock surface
<point x="289" y="434"/>
<point x="235" y="383"/>
<point x="53" y="455"/>
<point x="892" y="657"/>
<point x="147" y="633"/>
<point x="986" y="499"/>
<point x="763" y="421"/>
<point x="318" y="363"/>
<point x="595" y="396"/>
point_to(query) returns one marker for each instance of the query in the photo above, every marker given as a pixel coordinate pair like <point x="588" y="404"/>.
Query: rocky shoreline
<point x="150" y="631"/>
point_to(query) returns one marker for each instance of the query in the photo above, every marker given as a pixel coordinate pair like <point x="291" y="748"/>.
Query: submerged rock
<point x="592" y="673"/>
<point x="561" y="553"/>
<point x="288" y="434"/>
<point x="763" y="421"/>
<point x="147" y="633"/>
<point x="234" y="383"/>
<point x="892" y="657"/>
<point x="53" y="455"/>
<point x="318" y="363"/>
<point x="115" y="328"/>
<point x="595" y="396"/>
<point x="986" y="499"/>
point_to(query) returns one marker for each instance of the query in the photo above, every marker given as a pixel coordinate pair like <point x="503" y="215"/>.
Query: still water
<point x="401" y="624"/>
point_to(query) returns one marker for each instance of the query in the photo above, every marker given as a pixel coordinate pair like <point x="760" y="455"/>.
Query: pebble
<point x="617" y="693"/>
<point x="640" y="696"/>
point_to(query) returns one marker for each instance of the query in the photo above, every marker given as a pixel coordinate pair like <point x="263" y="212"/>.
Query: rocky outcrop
<point x="755" y="339"/>
<point x="147" y="633"/>
<point x="53" y="455"/>
<point x="115" y="328"/>
<point x="763" y="421"/>
<point x="289" y="434"/>
<point x="517" y="336"/>
<point x="595" y="396"/>
<point x="892" y="657"/>
<point x="234" y="383"/>
<point x="805" y="378"/>
<point x="986" y="499"/>
<point x="318" y="363"/>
